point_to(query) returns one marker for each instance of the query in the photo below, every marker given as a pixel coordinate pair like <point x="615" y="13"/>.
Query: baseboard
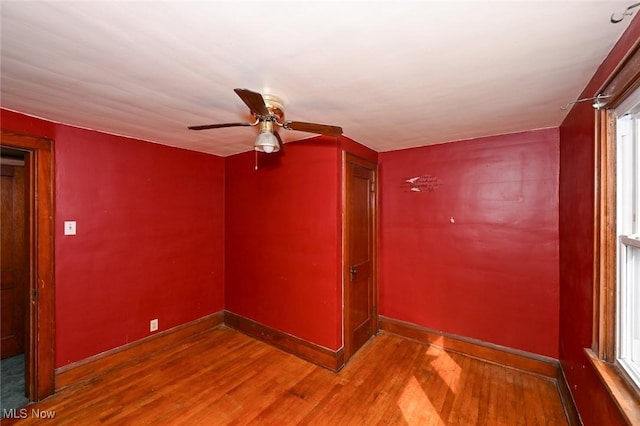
<point x="569" y="404"/>
<point x="319" y="355"/>
<point x="501" y="355"/>
<point x="85" y="369"/>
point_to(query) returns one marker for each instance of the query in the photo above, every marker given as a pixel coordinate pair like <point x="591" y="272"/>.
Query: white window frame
<point x="627" y="355"/>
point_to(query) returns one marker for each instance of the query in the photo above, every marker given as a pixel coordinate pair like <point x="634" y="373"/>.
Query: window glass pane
<point x="633" y="293"/>
<point x="629" y="315"/>
<point x="625" y="187"/>
<point x="635" y="136"/>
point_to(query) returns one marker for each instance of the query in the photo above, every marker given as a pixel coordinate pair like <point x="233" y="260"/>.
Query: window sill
<point x="626" y="398"/>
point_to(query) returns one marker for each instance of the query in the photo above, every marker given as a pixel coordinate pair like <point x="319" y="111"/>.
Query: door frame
<point x="39" y="177"/>
<point x="348" y="157"/>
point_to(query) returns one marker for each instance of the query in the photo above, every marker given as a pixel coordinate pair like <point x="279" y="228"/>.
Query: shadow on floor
<point x="12" y="383"/>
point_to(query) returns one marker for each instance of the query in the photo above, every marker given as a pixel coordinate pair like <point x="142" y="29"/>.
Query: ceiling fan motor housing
<point x="275" y="106"/>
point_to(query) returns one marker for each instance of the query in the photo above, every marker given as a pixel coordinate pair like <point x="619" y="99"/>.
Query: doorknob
<point x="352" y="272"/>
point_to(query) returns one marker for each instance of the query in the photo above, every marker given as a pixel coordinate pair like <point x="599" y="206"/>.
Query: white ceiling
<point x="392" y="74"/>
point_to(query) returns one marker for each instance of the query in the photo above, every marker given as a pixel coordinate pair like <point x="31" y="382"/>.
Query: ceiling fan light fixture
<point x="266" y="141"/>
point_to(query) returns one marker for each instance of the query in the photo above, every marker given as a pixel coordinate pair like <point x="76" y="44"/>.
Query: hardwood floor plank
<point x="222" y="377"/>
<point x="487" y="412"/>
<point x="439" y="373"/>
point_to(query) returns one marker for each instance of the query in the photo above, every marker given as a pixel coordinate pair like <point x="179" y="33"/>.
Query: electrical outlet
<point x="153" y="325"/>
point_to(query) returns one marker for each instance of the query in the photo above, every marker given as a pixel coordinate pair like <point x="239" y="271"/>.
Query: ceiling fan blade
<point x="254" y="101"/>
<point x="321" y="129"/>
<point x="217" y="126"/>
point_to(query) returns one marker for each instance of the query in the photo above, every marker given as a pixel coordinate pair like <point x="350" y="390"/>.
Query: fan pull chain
<point x="256" y="152"/>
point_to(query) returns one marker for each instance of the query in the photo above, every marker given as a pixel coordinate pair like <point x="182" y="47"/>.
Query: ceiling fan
<point x="268" y="111"/>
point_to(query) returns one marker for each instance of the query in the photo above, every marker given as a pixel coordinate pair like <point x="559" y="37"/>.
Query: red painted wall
<point x="576" y="246"/>
<point x="150" y="236"/>
<point x="283" y="240"/>
<point x="475" y="251"/>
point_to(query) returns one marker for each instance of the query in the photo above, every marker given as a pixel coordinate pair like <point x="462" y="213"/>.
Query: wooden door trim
<point x="348" y="157"/>
<point x="39" y="167"/>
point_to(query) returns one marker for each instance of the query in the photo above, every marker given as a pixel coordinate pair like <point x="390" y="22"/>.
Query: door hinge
<point x="34" y="294"/>
<point x="373" y="186"/>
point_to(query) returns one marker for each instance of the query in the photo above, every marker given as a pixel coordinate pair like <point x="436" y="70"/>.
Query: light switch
<point x="69" y="227"/>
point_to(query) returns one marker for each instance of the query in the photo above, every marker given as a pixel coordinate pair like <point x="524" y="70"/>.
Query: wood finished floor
<point x="223" y="377"/>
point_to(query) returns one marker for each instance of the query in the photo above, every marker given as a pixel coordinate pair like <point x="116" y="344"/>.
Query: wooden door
<point x="359" y="275"/>
<point x="13" y="263"/>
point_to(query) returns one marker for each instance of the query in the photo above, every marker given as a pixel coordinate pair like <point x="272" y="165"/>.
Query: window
<point x="627" y="353"/>
<point x="615" y="354"/>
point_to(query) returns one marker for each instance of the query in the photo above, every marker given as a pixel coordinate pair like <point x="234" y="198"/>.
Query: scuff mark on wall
<point x="422" y="183"/>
